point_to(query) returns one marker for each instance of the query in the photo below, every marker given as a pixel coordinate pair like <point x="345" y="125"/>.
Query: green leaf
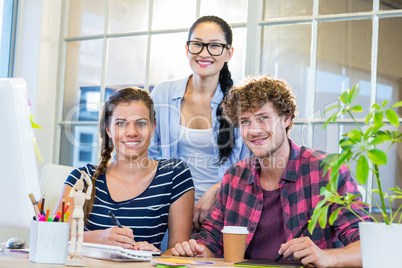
<point x="379" y="139"/>
<point x="384" y="103"/>
<point x="323" y="218"/>
<point x="375" y="106"/>
<point x="354" y="135"/>
<point x="398" y="104"/>
<point x="353" y="93"/>
<point x="330" y="108"/>
<point x="362" y="170"/>
<point x="392" y="117"/>
<point x="345" y="143"/>
<point x="368" y="117"/>
<point x="377" y="156"/>
<point x="376" y="128"/>
<point x="368" y="132"/>
<point x="357" y="109"/>
<point x="332" y="118"/>
<point x="378" y="118"/>
<point x="344" y="97"/>
<point x="313" y="222"/>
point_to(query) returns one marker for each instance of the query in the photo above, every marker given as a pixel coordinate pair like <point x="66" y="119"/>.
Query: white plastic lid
<point x="234" y="230"/>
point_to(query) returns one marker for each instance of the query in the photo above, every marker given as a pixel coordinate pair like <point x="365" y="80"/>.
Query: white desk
<point x="20" y="260"/>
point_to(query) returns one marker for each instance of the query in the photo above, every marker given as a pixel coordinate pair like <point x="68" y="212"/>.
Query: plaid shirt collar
<point x="292" y="164"/>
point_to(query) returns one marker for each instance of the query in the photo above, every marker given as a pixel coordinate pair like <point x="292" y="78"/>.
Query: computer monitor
<point x="18" y="168"/>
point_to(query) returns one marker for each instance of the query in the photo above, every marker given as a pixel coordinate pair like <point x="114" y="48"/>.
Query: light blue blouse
<point x="167" y="97"/>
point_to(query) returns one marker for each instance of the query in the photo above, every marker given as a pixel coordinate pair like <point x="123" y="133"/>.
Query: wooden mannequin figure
<point x="77" y="223"/>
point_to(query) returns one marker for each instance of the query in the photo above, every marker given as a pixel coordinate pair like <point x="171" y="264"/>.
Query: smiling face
<point x="203" y="64"/>
<point x="264" y="131"/>
<point x="131" y="130"/>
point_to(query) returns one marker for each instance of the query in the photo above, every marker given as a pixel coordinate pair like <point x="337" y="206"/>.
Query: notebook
<point x="269" y="263"/>
<point x="106" y="252"/>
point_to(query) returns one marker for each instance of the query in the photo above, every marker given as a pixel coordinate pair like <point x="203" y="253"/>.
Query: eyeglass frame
<point x="206" y="45"/>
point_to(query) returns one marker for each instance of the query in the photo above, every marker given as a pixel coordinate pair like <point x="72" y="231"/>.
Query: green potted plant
<point x="359" y="147"/>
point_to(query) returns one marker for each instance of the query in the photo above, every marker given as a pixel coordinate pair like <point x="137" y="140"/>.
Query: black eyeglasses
<point x="215" y="49"/>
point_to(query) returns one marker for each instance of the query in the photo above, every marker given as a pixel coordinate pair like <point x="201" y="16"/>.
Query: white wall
<point x="37" y="62"/>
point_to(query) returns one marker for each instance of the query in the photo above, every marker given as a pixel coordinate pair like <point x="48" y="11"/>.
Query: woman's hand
<point x="204" y="205"/>
<point x="144" y="246"/>
<point x="115" y="236"/>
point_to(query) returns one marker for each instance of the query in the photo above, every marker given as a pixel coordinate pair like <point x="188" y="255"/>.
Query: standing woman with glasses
<point x="191" y="126"/>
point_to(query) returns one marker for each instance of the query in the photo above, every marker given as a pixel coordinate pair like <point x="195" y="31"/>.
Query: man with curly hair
<point x="274" y="193"/>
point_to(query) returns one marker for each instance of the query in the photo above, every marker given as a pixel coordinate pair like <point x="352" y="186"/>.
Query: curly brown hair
<point x="255" y="93"/>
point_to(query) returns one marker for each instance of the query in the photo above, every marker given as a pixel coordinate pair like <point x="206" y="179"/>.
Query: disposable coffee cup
<point x="234" y="243"/>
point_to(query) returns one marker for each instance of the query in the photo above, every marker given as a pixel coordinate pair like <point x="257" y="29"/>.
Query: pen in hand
<point x="299" y="233"/>
<point x="114" y="220"/>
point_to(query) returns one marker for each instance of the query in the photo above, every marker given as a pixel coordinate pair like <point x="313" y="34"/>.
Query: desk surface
<point x="20" y="260"/>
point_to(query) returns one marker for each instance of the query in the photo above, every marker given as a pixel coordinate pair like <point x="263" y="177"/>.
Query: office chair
<point x="51" y="183"/>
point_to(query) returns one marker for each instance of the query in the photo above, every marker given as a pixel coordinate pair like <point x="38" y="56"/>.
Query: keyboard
<point x="106" y="252"/>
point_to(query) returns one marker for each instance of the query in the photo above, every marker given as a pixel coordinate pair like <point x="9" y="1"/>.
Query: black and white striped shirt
<point x="146" y="214"/>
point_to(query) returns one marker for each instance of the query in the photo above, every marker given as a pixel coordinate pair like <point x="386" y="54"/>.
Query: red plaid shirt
<point x="240" y="201"/>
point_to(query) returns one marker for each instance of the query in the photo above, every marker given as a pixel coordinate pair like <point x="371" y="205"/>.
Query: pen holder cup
<point x="48" y="242"/>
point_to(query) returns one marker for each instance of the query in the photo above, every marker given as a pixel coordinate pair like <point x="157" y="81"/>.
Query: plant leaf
<point x="375" y="191"/>
<point x="378" y="118"/>
<point x="368" y="117"/>
<point x="379" y="139"/>
<point x="330" y="108"/>
<point x="398" y="104"/>
<point x="334" y="215"/>
<point x="362" y="170"/>
<point x="332" y="118"/>
<point x="323" y="218"/>
<point x="344" y="97"/>
<point x="357" y="109"/>
<point x="353" y="93"/>
<point x="375" y="106"/>
<point x="384" y="103"/>
<point x="377" y="156"/>
<point x="392" y="117"/>
<point x="354" y="135"/>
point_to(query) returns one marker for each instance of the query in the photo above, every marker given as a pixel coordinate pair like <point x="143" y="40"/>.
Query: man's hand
<point x="306" y="251"/>
<point x="190" y="248"/>
<point x="204" y="205"/>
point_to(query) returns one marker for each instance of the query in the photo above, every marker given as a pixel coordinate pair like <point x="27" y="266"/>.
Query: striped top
<point x="146" y="214"/>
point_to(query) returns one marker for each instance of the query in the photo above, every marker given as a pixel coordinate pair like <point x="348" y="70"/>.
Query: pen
<point x="66" y="215"/>
<point x="67" y="206"/>
<point x="42" y="206"/>
<point x="114" y="220"/>
<point x="63" y="202"/>
<point x="299" y="233"/>
<point x="57" y="217"/>
<point x="47" y="213"/>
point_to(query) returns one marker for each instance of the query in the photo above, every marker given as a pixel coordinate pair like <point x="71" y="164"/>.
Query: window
<point x="8" y="11"/>
<point x="320" y="47"/>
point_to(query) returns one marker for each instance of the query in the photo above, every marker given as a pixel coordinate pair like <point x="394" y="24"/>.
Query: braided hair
<point x="124" y="95"/>
<point x="225" y="139"/>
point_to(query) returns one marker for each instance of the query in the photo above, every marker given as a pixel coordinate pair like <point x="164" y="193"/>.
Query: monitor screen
<point x="18" y="168"/>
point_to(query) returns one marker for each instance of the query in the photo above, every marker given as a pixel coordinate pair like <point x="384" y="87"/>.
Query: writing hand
<point x="115" y="236"/>
<point x="143" y="245"/>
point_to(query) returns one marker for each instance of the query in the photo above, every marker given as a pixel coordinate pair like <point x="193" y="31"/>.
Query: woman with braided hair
<point x="144" y="194"/>
<point x="190" y="122"/>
